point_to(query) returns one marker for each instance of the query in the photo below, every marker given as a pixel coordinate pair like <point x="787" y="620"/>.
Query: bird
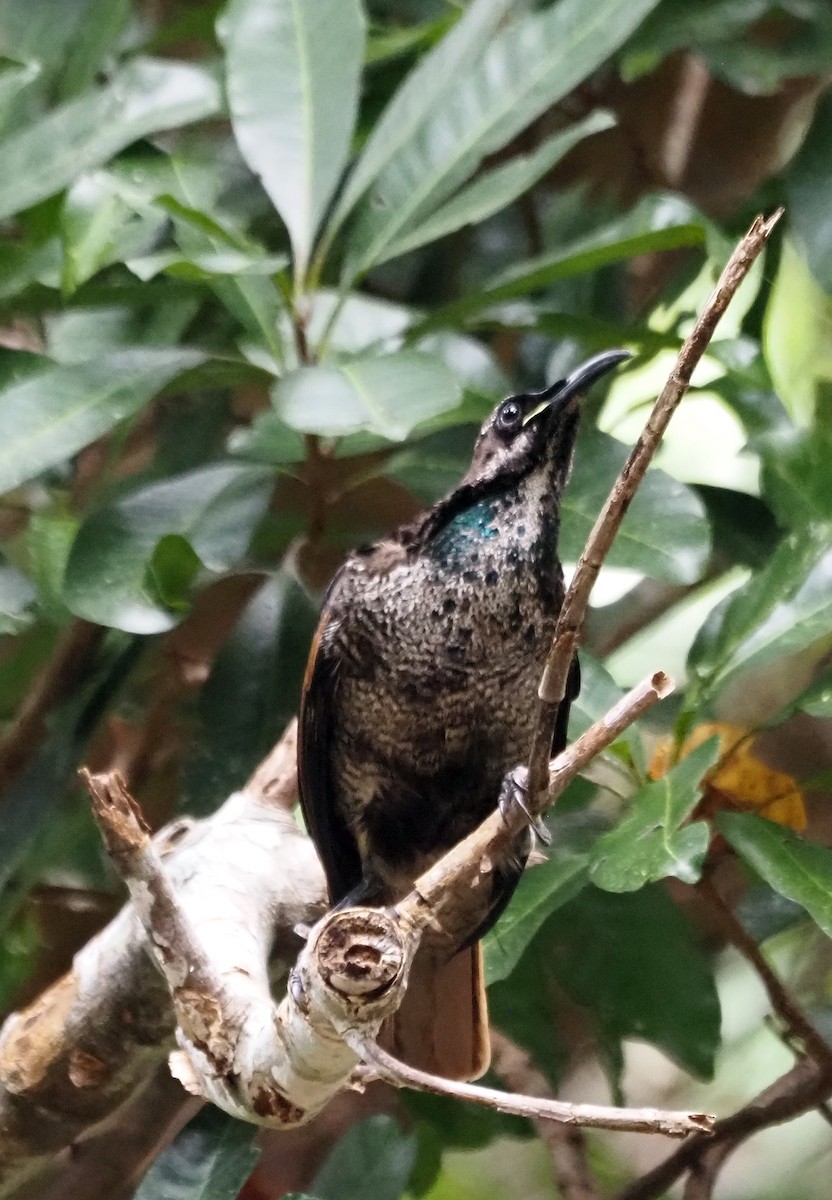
<point x="420" y="694"/>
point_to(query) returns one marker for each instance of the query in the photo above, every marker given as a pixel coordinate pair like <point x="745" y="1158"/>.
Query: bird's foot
<point x="514" y="794"/>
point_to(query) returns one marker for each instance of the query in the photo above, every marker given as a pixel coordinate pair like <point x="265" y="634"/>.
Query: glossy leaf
<point x="784" y="608"/>
<point x="48" y="416"/>
<point x="110" y="577"/>
<point x="292" y="77"/>
<point x="658" y="222"/>
<point x="807" y="189"/>
<point x="653" y="840"/>
<point x="540" y="892"/>
<point x="188" y="189"/>
<point x="104" y="24"/>
<point x="144" y="97"/>
<point x="665" y="533"/>
<point x="797" y="473"/>
<point x="253" y="690"/>
<point x="268" y="440"/>
<point x="525" y="69"/>
<point x="388" y="396"/>
<point x="798" y="869"/>
<point x="633" y="960"/>
<point x="497" y="188"/>
<point x="420" y="92"/>
<point x="521" y="1007"/>
<point x="94" y="219"/>
<point x="797" y="335"/>
<point x="817" y="699"/>
<point x="372" y="1161"/>
<point x="49" y="538"/>
<point x="210" y="1159"/>
<point x="204" y="266"/>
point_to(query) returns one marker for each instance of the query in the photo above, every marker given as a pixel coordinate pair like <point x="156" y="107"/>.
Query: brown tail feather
<point x="442" y="1025"/>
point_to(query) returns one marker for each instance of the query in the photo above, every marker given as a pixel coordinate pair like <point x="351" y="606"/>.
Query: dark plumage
<point x="420" y="694"/>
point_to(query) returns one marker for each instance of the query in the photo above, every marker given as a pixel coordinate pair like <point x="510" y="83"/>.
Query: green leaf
<point x="171" y="570"/>
<point x="653" y="841"/>
<point x="109" y="576"/>
<point x="599" y="692"/>
<point x="497" y="188"/>
<point x="521" y="1006"/>
<point x="211" y="1159"/>
<point x="49" y="538"/>
<point x="254" y="301"/>
<point x="93" y="218"/>
<point x="525" y="69"/>
<point x="144" y="97"/>
<point x="797" y="473"/>
<point x="808" y="181"/>
<point x="17" y="600"/>
<point x="817" y="699"/>
<point x="784" y="608"/>
<point x="632" y="959"/>
<point x="422" y="90"/>
<point x="691" y="25"/>
<point x="372" y="1161"/>
<point x="49" y="416"/>
<point x="293" y="70"/>
<point x="797" y="869"/>
<point x="268" y="440"/>
<point x="205" y="266"/>
<point x="104" y="24"/>
<point x="252" y="692"/>
<point x="665" y="534"/>
<point x="659" y="222"/>
<point x="797" y="335"/>
<point x="388" y="396"/>
<point x="14" y="76"/>
<point x="540" y="892"/>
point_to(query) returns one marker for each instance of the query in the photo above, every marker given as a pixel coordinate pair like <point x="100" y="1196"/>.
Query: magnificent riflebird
<point x="420" y="697"/>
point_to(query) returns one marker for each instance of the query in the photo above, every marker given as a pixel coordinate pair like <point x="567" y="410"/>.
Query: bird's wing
<point x="335" y="844"/>
<point x="573" y="687"/>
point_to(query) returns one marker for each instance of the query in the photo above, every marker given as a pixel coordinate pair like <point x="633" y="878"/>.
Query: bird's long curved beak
<point x="577" y="383"/>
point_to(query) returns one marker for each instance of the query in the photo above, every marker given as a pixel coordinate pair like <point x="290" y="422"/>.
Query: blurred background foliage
<point x="264" y="268"/>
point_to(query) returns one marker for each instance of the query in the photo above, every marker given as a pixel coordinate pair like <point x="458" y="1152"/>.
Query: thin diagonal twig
<point x="553" y="682"/>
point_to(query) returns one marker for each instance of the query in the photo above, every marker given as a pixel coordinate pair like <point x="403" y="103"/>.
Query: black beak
<point x="577" y="383"/>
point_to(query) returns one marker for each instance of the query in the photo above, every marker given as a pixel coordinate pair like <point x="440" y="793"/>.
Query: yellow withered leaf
<point x="739" y="780"/>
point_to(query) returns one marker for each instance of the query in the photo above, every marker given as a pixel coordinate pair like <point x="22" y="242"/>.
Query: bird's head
<point x="536" y="429"/>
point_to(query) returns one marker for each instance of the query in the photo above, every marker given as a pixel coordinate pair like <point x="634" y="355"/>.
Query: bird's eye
<point x="509" y="417"/>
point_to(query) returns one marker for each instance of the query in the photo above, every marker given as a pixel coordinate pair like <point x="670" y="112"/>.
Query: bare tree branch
<point x="553" y="683"/>
<point x="536" y="1108"/>
<point x="801" y="1089"/>
<point x="796" y="1022"/>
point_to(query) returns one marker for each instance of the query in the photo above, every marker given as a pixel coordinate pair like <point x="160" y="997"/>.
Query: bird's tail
<point x="442" y="1025"/>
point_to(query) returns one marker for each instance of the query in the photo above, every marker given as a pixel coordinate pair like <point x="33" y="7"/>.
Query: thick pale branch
<point x="571" y="618"/>
<point x="79" y="1052"/>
